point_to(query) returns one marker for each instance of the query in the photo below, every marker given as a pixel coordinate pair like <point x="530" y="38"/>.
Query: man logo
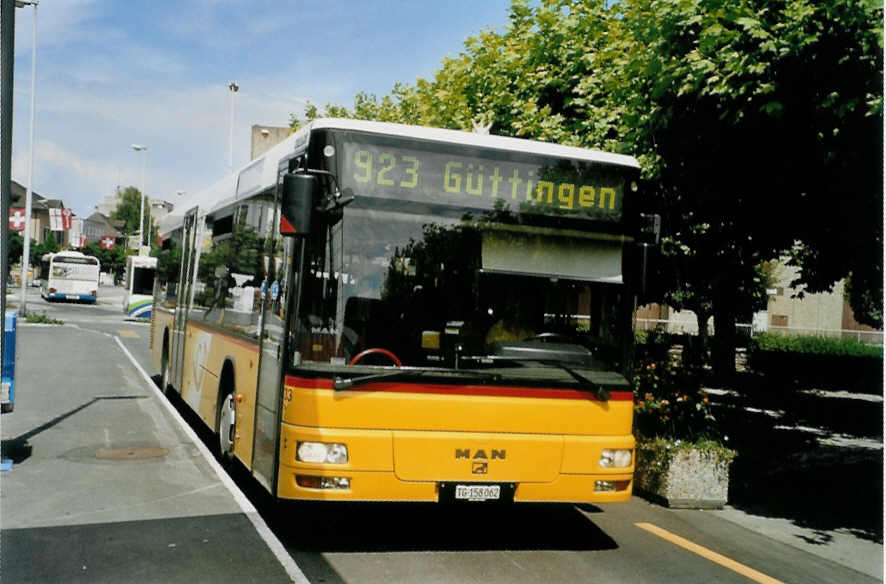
<point x="466" y="454"/>
<point x="480" y="468"/>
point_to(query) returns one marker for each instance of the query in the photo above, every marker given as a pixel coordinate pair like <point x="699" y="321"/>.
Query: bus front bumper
<point x="371" y="472"/>
<point x="384" y="486"/>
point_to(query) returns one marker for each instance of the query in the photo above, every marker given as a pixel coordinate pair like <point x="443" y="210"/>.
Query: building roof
<point x="38" y="201"/>
<point x="112" y="226"/>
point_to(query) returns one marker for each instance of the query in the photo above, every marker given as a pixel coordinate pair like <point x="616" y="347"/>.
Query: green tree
<point x="762" y="122"/>
<point x="112" y="261"/>
<point x="48" y="245"/>
<point x="15" y="248"/>
<point x="129" y="209"/>
<point x="758" y="125"/>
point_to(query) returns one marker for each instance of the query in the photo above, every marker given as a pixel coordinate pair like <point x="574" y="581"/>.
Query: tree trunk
<point x="723" y="353"/>
<point x="695" y="353"/>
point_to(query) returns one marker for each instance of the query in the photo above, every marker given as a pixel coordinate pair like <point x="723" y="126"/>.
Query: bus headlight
<point x="322" y="452"/>
<point x="612" y="458"/>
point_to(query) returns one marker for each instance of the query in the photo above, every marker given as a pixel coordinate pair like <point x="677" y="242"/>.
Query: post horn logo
<point x="479" y="458"/>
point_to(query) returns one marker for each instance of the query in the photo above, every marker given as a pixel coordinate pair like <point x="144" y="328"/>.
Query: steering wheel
<point x="384" y="352"/>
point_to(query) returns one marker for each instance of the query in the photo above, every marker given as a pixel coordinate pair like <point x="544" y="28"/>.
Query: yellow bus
<point x="381" y="312"/>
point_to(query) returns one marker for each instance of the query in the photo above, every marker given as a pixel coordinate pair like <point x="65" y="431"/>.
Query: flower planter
<point x="683" y="476"/>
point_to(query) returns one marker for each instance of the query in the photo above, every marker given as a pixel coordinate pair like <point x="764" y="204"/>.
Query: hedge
<point x="820" y="362"/>
<point x="815" y="345"/>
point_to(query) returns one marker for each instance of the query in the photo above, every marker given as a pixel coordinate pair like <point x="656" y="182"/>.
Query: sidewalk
<point x="809" y="470"/>
<point x="107" y="486"/>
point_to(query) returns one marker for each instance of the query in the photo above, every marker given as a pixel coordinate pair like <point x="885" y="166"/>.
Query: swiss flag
<point x="107" y="242"/>
<point x="17" y="219"/>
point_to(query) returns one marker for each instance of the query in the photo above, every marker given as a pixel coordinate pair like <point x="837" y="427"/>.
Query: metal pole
<point x="7" y="48"/>
<point x="234" y="88"/>
<point x="141" y="210"/>
<point x="26" y="253"/>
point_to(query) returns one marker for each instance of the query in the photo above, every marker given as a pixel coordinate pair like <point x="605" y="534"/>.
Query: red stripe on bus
<point x="472" y="390"/>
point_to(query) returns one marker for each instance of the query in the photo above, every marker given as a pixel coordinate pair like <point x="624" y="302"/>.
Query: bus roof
<point x="65" y="254"/>
<point x="261" y="174"/>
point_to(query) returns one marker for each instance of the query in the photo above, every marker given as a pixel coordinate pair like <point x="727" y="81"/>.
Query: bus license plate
<point x="477" y="492"/>
<point x="73" y="297"/>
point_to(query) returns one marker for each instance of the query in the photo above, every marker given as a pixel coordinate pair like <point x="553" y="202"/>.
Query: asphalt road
<point x="186" y="526"/>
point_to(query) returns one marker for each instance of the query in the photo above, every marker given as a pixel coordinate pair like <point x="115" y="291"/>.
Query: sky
<point x="113" y="73"/>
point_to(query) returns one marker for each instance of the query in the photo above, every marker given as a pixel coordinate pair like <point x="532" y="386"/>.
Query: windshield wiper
<point x="340" y="383"/>
<point x="600" y="392"/>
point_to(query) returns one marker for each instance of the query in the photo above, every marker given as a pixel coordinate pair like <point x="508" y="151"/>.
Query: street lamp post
<point x="234" y="89"/>
<point x="26" y="252"/>
<point x="141" y="212"/>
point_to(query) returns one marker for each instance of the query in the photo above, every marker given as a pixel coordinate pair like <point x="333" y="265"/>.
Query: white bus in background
<point x="69" y="275"/>
<point x="138" y="300"/>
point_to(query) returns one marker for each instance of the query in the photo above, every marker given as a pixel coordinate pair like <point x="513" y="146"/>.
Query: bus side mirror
<point x="298" y="200"/>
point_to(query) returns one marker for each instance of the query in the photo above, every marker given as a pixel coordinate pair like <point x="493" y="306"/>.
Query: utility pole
<point x="141" y="209"/>
<point x="234" y="89"/>
<point x="26" y="252"/>
<point x="7" y="48"/>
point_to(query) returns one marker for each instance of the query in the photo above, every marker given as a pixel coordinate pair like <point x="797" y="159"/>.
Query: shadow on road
<point x="309" y="532"/>
<point x="805" y="455"/>
<point x="386" y="527"/>
<point x="19" y="449"/>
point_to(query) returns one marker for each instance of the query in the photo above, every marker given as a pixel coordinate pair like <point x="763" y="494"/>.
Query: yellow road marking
<point x="128" y="334"/>
<point x="709" y="555"/>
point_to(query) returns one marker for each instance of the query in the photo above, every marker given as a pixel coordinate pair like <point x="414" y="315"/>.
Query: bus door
<point x="277" y="293"/>
<point x="185" y="297"/>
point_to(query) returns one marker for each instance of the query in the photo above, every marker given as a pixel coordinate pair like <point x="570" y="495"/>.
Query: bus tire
<point x="226" y="416"/>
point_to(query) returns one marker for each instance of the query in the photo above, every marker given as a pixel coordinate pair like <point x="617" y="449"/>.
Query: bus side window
<point x="168" y="264"/>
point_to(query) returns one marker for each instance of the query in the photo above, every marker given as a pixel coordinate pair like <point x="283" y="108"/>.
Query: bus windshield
<point x="382" y="288"/>
<point x="143" y="280"/>
<point x="69" y="268"/>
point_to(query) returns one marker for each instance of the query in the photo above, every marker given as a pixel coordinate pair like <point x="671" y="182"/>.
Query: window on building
<point x="779" y="320"/>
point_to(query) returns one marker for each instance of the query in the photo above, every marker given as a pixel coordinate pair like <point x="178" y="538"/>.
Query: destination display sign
<point x="480" y="179"/>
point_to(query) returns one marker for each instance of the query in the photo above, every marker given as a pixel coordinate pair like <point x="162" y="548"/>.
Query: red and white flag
<point x="60" y="219"/>
<point x="107" y="242"/>
<point x="17" y="219"/>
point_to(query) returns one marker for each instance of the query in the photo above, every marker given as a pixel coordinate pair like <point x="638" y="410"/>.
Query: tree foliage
<point x="112" y="261"/>
<point x="129" y="209"/>
<point x="758" y="124"/>
<point x="15" y="248"/>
